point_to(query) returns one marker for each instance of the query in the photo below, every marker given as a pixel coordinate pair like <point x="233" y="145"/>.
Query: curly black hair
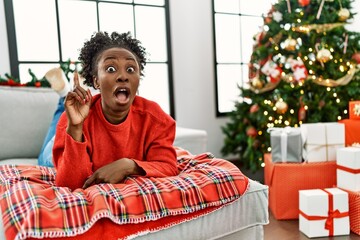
<point x="100" y="41"/>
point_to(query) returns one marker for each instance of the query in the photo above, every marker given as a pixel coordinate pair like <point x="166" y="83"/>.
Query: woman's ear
<point x="95" y="83"/>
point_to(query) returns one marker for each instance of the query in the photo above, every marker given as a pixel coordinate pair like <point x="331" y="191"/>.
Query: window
<point x="235" y="24"/>
<point x="44" y="33"/>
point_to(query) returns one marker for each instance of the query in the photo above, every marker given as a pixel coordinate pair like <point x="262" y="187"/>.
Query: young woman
<point x="114" y="134"/>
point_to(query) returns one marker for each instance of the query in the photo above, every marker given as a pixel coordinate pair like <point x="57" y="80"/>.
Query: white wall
<point x="193" y="66"/>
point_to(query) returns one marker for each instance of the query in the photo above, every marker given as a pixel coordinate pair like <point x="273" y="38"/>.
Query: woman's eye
<point x="110" y="69"/>
<point x="130" y="69"/>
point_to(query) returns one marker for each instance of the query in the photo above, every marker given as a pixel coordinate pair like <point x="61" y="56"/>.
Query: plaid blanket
<point x="33" y="207"/>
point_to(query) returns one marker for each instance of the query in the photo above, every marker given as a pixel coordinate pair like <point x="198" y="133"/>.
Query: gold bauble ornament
<point x="281" y="106"/>
<point x="257" y="83"/>
<point x="323" y="55"/>
<point x="344" y="14"/>
<point x="290" y="44"/>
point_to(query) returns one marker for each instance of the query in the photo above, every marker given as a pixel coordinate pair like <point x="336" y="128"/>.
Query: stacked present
<point x="312" y="152"/>
<point x="352" y="125"/>
<point x="319" y="182"/>
<point x="348" y="179"/>
<point x="324" y="212"/>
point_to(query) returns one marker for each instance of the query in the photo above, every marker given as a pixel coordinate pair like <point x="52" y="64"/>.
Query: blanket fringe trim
<point x="80" y="230"/>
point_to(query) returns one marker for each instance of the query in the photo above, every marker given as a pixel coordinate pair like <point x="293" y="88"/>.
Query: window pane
<point x="116" y="17"/>
<point x="227" y="33"/>
<point x="155" y="85"/>
<point x="228" y="76"/>
<point x="40" y="41"/>
<point x="250" y="26"/>
<point x="150" y="2"/>
<point x="38" y="69"/>
<point x="255" y="7"/>
<point x="151" y="31"/>
<point x="78" y="21"/>
<point x="228" y="6"/>
<point x="245" y="76"/>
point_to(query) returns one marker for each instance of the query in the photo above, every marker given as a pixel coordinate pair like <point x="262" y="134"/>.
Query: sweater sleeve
<point x="160" y="158"/>
<point x="71" y="158"/>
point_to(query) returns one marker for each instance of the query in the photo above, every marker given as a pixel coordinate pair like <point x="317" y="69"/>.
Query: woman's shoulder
<point x="145" y="106"/>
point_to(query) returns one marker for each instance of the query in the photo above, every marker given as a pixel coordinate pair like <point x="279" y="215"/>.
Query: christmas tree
<point x="303" y="69"/>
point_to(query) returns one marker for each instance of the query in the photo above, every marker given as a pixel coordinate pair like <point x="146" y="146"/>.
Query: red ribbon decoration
<point x="329" y="223"/>
<point x="346" y="169"/>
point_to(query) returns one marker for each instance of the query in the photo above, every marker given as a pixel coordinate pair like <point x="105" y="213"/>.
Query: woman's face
<point x="118" y="77"/>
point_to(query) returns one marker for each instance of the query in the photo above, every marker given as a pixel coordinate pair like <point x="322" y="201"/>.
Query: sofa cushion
<point x="26" y="113"/>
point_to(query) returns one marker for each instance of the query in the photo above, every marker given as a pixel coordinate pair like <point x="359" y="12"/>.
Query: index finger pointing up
<point x="76" y="79"/>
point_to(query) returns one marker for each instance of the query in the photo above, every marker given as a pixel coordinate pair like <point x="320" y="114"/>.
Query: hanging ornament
<point x="288" y="5"/>
<point x="323" y="55"/>
<point x="320" y="9"/>
<point x="302" y="111"/>
<point x="257" y="83"/>
<point x="254" y="108"/>
<point x="272" y="70"/>
<point x="356" y="57"/>
<point x="281" y="106"/>
<point x="290" y="44"/>
<point x="345" y="43"/>
<point x="251" y="132"/>
<point x="304" y="3"/>
<point x="277" y="16"/>
<point x="344" y="14"/>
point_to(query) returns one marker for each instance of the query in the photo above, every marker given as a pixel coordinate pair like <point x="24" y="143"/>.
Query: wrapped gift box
<point x="286" y="144"/>
<point x="354" y="211"/>
<point x="324" y="212"/>
<point x="348" y="168"/>
<point x="321" y="140"/>
<point x="286" y="179"/>
<point x="352" y="131"/>
<point x="354" y="110"/>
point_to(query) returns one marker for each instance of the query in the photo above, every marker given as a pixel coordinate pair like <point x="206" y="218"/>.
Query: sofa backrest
<point x="25" y="115"/>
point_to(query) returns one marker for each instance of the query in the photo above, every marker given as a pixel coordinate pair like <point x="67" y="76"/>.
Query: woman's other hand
<point x="114" y="172"/>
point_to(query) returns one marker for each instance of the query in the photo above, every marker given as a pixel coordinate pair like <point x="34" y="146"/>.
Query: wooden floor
<point x="289" y="230"/>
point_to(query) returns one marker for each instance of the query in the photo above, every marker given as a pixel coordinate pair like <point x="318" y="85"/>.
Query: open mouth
<point x="122" y="94"/>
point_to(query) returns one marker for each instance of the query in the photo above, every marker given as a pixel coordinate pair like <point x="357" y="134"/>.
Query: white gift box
<point x="348" y="168"/>
<point x="321" y="140"/>
<point x="324" y="212"/>
<point x="286" y="144"/>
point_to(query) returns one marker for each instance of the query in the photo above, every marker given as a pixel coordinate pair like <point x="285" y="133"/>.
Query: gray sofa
<point x="26" y="113"/>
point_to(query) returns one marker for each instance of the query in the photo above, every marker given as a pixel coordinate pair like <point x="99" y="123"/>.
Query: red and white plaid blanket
<point x="33" y="207"/>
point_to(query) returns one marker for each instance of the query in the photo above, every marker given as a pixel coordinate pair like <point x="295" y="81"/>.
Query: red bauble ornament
<point x="304" y="3"/>
<point x="356" y="57"/>
<point x="254" y="108"/>
<point x="251" y="132"/>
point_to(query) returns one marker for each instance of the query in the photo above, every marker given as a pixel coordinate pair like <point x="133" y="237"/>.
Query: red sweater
<point x="146" y="136"/>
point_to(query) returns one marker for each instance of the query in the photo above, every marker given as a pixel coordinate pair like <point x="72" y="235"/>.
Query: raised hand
<point x="77" y="107"/>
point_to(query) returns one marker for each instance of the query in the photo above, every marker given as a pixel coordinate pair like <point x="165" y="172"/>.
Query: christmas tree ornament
<point x="277" y="16"/>
<point x="356" y="57"/>
<point x="344" y="14"/>
<point x="304" y="3"/>
<point x="281" y="106"/>
<point x="254" y="108"/>
<point x="290" y="44"/>
<point x="288" y="5"/>
<point x="251" y="132"/>
<point x="323" y="55"/>
<point x="272" y="71"/>
<point x="257" y="83"/>
<point x="320" y="9"/>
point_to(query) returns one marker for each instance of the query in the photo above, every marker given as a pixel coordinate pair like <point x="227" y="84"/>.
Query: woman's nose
<point x="122" y="77"/>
